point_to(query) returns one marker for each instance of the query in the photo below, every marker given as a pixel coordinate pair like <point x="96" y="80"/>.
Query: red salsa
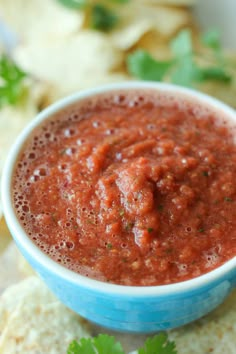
<point x="132" y="189"/>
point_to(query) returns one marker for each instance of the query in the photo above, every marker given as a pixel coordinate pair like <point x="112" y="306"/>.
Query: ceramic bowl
<point x="124" y="308"/>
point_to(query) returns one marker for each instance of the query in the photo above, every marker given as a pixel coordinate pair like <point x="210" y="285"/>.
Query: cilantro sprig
<point x="183" y="67"/>
<point x="102" y="18"/>
<point x="159" y="344"/>
<point x="74" y="4"/>
<point x="211" y="39"/>
<point x="143" y="66"/>
<point x="78" y="4"/>
<point x="102" y="15"/>
<point x="105" y="344"/>
<point x="102" y="344"/>
<point x="11" y="81"/>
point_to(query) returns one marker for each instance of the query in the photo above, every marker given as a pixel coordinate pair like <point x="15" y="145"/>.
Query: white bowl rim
<point x="102" y="287"/>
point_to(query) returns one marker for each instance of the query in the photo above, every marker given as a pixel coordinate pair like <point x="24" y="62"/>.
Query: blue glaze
<point x="135" y="314"/>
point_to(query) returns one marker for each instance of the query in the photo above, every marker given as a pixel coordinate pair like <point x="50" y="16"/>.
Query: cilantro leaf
<point x="73" y="348"/>
<point x="211" y="39"/>
<point x="159" y="344"/>
<point x="102" y="18"/>
<point x="78" y="4"/>
<point x="181" y="45"/>
<point x="215" y="73"/>
<point x="11" y="81"/>
<point x="74" y="4"/>
<point x="102" y="344"/>
<point x="143" y="66"/>
<point x="119" y="1"/>
<point x="106" y="344"/>
<point x="85" y="346"/>
<point x="183" y="68"/>
<point x="185" y="72"/>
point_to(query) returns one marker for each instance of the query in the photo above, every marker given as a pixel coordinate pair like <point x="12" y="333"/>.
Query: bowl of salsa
<point x="123" y="198"/>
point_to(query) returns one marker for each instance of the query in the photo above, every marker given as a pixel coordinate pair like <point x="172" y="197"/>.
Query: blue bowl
<point x="136" y="309"/>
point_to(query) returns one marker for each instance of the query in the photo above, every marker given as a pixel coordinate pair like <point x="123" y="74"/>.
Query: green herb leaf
<point x="143" y="66"/>
<point x="53" y="217"/>
<point x="185" y="72"/>
<point x="122" y="212"/>
<point x="74" y="4"/>
<point x="11" y="81"/>
<point x="129" y="226"/>
<point x="183" y="69"/>
<point x="80" y="4"/>
<point x="85" y="346"/>
<point x="150" y="229"/>
<point x="201" y="230"/>
<point x="119" y="1"/>
<point x="181" y="45"/>
<point x="103" y="344"/>
<point x="160" y="207"/>
<point x="158" y="344"/>
<point x="102" y="18"/>
<point x="211" y="39"/>
<point x="73" y="348"/>
<point x="215" y="73"/>
<point x="106" y="344"/>
<point x="228" y="199"/>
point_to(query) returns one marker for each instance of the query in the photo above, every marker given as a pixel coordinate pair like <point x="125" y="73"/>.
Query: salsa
<point x="131" y="188"/>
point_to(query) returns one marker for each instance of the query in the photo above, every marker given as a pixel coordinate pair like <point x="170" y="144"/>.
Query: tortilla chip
<point x="24" y="267"/>
<point x="90" y="82"/>
<point x="5" y="236"/>
<point x="225" y="92"/>
<point x="9" y="271"/>
<point x="139" y="19"/>
<point x="156" y="46"/>
<point x="34" y="321"/>
<point x="215" y="333"/>
<point x="75" y="62"/>
<point x="12" y="121"/>
<point x="33" y="20"/>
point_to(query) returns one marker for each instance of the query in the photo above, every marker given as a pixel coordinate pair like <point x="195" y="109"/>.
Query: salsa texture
<point x="131" y="188"/>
